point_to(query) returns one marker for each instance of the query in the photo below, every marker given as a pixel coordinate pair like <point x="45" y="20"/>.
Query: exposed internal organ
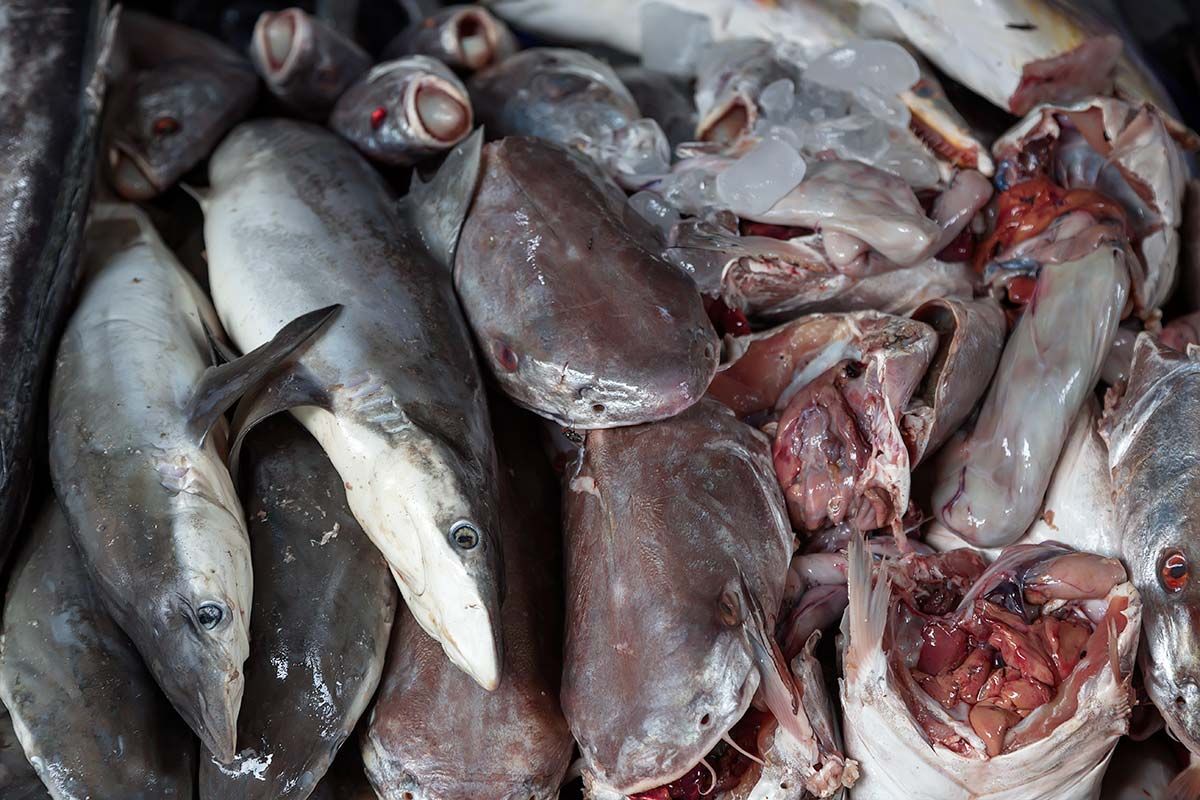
<point x="1015" y="647"/>
<point x="1028" y="209"/>
<point x="726" y="764"/>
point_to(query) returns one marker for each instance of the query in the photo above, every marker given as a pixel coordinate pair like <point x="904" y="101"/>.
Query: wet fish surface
<point x="677" y="550"/>
<point x="391" y="390"/>
<point x="423" y="739"/>
<point x="88" y="714"/>
<point x="143" y="483"/>
<point x="52" y="92"/>
<point x="574" y="312"/>
<point x="323" y="607"/>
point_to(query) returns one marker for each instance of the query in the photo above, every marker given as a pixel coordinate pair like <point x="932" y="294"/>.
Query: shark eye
<point x="1173" y="571"/>
<point x="165" y="126"/>
<point x="464" y="536"/>
<point x="209" y="615"/>
<point x="378" y="116"/>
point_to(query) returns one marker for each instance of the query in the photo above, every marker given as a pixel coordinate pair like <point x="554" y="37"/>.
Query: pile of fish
<point x="646" y="399"/>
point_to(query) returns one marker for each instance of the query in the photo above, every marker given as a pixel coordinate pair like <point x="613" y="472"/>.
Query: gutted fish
<point x="87" y="713"/>
<point x="970" y="341"/>
<point x="968" y="681"/>
<point x="297" y="219"/>
<point x="323" y="606"/>
<point x="730" y="79"/>
<point x="132" y="404"/>
<point x="404" y="110"/>
<point x="990" y="480"/>
<point x="687" y="649"/>
<point x="53" y="87"/>
<point x="576" y="100"/>
<point x="837" y="388"/>
<point x="423" y="740"/>
<point x="465" y="38"/>
<point x="305" y="62"/>
<point x="1110" y="159"/>
<point x="575" y="314"/>
<point x="180" y="93"/>
<point x="1150" y="454"/>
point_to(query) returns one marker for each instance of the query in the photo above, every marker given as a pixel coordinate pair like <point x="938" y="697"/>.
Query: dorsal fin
<point x="436" y="210"/>
<point x="221" y="386"/>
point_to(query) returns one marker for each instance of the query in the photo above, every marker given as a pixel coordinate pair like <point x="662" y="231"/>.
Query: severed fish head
<point x="303" y="61"/>
<point x="404" y="110"/>
<point x="465" y="37"/>
<point x="165" y="120"/>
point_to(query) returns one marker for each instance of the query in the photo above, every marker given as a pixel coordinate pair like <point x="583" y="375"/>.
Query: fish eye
<point x="209" y="615"/>
<point x="1173" y="570"/>
<point x="464" y="536"/>
<point x="378" y="116"/>
<point x="165" y="126"/>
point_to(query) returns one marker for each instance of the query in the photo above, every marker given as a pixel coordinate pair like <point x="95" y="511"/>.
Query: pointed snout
<point x="219" y="701"/>
<point x="473" y="641"/>
<point x="441" y="111"/>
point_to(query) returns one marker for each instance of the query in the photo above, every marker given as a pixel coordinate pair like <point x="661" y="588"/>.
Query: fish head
<point x="1170" y="654"/>
<point x="163" y="123"/>
<point x="404" y="109"/>
<point x="453" y="578"/>
<point x="199" y="623"/>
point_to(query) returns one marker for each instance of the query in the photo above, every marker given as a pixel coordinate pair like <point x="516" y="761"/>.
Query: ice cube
<point x="886" y="107"/>
<point x="673" y="39"/>
<point x="655" y="210"/>
<point x="689" y="189"/>
<point x="777" y="99"/>
<point x="883" y="66"/>
<point x="761" y="177"/>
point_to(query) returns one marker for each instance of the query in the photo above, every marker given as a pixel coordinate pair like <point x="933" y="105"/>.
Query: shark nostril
<point x="705" y="720"/>
<point x="1180" y="702"/>
<point x="598" y="408"/>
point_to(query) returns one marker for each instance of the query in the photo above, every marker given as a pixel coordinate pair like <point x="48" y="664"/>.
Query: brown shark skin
<point x="665" y="524"/>
<point x="573" y="310"/>
<point x="423" y="740"/>
<point x="49" y="133"/>
<point x="93" y="718"/>
<point x="324" y="601"/>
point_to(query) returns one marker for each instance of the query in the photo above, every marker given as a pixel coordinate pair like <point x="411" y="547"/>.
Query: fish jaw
<point x="411" y="493"/>
<point x="1173" y="689"/>
<point x="476" y="37"/>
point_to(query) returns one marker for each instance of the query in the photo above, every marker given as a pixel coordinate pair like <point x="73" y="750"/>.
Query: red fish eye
<point x="378" y="116"/>
<point x="165" y="126"/>
<point x="1173" y="571"/>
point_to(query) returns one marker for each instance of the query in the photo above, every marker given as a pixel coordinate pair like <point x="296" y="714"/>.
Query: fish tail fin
<point x="868" y="605"/>
<point x="437" y="209"/>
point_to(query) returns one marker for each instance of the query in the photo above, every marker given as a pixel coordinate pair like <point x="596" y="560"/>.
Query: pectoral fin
<point x="287" y="388"/>
<point x="221" y="386"/>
